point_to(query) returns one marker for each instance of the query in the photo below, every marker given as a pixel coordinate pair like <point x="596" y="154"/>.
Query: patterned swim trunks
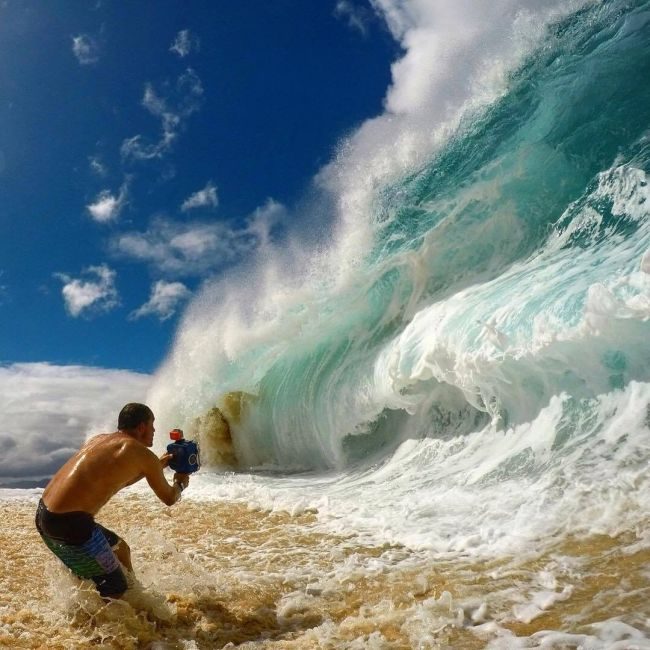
<point x="84" y="547"/>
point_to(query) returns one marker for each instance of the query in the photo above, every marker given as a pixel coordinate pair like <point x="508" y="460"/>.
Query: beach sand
<point x="217" y="574"/>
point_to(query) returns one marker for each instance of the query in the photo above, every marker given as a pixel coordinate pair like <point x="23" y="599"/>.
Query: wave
<point x="507" y="270"/>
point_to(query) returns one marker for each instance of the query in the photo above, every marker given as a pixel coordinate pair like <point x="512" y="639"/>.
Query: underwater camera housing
<point x="186" y="457"/>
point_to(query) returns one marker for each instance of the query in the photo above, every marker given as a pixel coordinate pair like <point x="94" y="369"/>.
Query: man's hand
<point x="165" y="458"/>
<point x="182" y="479"/>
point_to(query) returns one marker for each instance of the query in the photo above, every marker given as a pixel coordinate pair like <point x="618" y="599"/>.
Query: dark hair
<point x="132" y="415"/>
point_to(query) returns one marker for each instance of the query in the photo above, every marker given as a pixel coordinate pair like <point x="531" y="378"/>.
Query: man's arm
<point x="152" y="470"/>
<point x="164" y="462"/>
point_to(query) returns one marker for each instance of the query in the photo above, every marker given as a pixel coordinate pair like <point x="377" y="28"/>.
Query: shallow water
<point x="220" y="574"/>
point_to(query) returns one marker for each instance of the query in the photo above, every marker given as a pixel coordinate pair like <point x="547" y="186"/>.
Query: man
<point x="104" y="465"/>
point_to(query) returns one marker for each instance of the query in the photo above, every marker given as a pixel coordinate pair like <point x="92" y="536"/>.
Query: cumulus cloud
<point x="172" y="108"/>
<point x="49" y="410"/>
<point x="183" y="249"/>
<point x="90" y="296"/>
<point x="196" y="248"/>
<point x="86" y="49"/>
<point x="184" y="43"/>
<point x="107" y="206"/>
<point x="165" y="298"/>
<point x="356" y="17"/>
<point x="205" y="198"/>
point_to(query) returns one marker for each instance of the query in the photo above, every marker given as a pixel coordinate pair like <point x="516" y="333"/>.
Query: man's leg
<point x="113" y="583"/>
<point x="92" y="558"/>
<point x="118" y="546"/>
<point x="123" y="553"/>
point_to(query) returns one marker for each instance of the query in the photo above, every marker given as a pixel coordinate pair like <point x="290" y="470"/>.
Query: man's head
<point x="132" y="415"/>
<point x="137" y="420"/>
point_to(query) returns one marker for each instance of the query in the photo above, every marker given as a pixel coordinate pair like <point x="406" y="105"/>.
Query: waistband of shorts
<point x="73" y="527"/>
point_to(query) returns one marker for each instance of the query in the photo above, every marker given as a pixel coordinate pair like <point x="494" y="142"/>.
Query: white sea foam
<point x="488" y="493"/>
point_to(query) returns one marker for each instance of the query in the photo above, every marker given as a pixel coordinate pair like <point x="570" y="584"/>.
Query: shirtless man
<point x="104" y="465"/>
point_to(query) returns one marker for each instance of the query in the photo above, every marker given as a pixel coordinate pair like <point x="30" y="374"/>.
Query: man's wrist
<point x="179" y="485"/>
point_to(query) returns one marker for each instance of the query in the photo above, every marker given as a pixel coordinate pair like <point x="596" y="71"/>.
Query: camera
<point x="186" y="457"/>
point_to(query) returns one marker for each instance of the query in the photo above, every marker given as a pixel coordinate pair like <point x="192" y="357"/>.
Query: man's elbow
<point x="170" y="497"/>
<point x="167" y="493"/>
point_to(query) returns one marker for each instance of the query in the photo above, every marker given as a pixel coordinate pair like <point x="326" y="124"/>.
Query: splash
<point x="511" y="255"/>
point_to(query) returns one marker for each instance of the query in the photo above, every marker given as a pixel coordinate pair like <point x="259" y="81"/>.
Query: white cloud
<point x="97" y="166"/>
<point x="86" y="49"/>
<point x="197" y="248"/>
<point x="95" y="295"/>
<point x="165" y="298"/>
<point x="264" y="219"/>
<point x="173" y="110"/>
<point x="205" y="198"/>
<point x="3" y="288"/>
<point x="107" y="206"/>
<point x="184" y="43"/>
<point x="357" y="17"/>
<point x="189" y="89"/>
<point x="49" y="410"/>
<point x="136" y="148"/>
<point x="181" y="249"/>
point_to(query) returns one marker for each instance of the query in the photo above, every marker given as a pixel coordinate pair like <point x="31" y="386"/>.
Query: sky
<point x="148" y="148"/>
<point x="143" y="146"/>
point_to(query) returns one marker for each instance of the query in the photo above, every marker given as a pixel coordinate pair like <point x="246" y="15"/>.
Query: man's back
<point x="104" y="465"/>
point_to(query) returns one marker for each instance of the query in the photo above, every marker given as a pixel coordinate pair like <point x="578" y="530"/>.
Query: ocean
<point x="439" y="400"/>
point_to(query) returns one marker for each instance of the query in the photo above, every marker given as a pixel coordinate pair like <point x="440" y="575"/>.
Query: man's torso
<point x="104" y="465"/>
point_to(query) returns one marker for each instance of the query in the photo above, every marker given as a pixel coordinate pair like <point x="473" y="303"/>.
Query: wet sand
<point x="214" y="575"/>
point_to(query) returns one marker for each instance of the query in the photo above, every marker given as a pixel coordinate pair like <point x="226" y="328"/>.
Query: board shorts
<point x="84" y="546"/>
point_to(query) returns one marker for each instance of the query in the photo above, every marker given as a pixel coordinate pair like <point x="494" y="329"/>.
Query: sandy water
<point x="215" y="575"/>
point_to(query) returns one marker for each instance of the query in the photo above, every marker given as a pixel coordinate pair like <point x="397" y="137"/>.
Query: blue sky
<point x="144" y="147"/>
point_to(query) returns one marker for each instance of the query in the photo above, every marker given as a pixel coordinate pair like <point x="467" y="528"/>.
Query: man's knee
<point x="121" y="546"/>
<point x="123" y="553"/>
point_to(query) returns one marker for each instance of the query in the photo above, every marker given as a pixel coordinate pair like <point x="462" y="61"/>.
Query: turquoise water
<point x="461" y="366"/>
<point x="512" y="255"/>
<point x="477" y="330"/>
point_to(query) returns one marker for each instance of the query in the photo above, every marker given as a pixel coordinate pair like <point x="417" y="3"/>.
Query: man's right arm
<point x="153" y="472"/>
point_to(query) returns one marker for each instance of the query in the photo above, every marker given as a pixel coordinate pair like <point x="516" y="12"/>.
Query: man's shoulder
<point x="132" y="448"/>
<point x="135" y="446"/>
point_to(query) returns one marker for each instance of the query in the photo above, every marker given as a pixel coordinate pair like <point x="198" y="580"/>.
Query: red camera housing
<point x="176" y="434"/>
